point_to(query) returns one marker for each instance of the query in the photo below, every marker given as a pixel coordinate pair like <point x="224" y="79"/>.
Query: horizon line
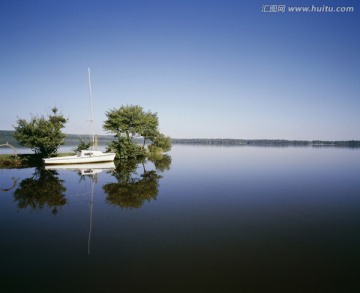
<point x="218" y="138"/>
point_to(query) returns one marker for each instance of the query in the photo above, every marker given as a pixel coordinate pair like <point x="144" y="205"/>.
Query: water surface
<point x="211" y="219"/>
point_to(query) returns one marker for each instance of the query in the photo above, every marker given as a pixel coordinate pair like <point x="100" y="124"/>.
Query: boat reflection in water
<point x="84" y="169"/>
<point x="91" y="172"/>
<point x="133" y="183"/>
<point x="136" y="182"/>
<point x="87" y="171"/>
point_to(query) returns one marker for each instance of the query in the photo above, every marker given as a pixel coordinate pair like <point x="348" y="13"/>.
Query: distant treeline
<point x="7" y="136"/>
<point x="71" y="139"/>
<point x="74" y="139"/>
<point x="265" y="142"/>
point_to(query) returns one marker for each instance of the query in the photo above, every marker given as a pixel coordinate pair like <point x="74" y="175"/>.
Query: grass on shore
<point x="8" y="161"/>
<point x="12" y="161"/>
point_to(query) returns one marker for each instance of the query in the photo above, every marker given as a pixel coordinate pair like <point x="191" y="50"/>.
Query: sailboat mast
<point x="92" y="179"/>
<point x="91" y="113"/>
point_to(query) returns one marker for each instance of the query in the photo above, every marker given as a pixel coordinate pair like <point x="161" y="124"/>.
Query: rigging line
<point x="91" y="111"/>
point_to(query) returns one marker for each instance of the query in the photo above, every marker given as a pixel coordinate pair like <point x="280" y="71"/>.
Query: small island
<point x="43" y="135"/>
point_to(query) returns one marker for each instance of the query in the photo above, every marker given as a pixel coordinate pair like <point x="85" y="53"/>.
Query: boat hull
<point x="106" y="157"/>
<point x="93" y="166"/>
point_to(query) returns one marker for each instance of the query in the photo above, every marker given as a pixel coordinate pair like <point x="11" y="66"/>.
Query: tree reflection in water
<point x="132" y="190"/>
<point x="162" y="163"/>
<point x="44" y="188"/>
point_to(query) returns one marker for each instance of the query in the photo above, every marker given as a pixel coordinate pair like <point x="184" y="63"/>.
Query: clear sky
<point x="209" y="68"/>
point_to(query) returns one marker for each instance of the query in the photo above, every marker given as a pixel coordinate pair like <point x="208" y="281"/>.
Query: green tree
<point x="124" y="121"/>
<point x="129" y="122"/>
<point x="41" y="134"/>
<point x="126" y="149"/>
<point x="83" y="145"/>
<point x="125" y="124"/>
<point x="161" y="143"/>
<point x="148" y="128"/>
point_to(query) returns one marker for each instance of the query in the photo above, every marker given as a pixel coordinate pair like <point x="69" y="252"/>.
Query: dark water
<point x="211" y="219"/>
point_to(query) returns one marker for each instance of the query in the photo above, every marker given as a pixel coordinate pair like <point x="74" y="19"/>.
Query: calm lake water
<point x="210" y="219"/>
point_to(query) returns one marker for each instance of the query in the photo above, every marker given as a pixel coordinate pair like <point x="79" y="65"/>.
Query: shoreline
<point x="19" y="161"/>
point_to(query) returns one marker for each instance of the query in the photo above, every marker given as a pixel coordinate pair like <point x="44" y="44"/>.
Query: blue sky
<point x="210" y="69"/>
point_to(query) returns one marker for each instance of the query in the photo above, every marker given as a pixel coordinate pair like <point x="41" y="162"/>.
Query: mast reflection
<point x="87" y="171"/>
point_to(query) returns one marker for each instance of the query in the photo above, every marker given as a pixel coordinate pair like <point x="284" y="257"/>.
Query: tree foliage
<point x="133" y="193"/>
<point x="83" y="145"/>
<point x="41" y="134"/>
<point x="161" y="142"/>
<point x="43" y="189"/>
<point x="124" y="121"/>
<point x="133" y="186"/>
<point x="128" y="122"/>
<point x="126" y="149"/>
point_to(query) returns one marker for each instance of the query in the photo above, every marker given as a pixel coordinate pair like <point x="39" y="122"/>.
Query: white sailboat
<point x="84" y="156"/>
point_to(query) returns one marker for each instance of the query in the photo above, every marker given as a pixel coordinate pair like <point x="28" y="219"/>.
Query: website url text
<point x="306" y="9"/>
